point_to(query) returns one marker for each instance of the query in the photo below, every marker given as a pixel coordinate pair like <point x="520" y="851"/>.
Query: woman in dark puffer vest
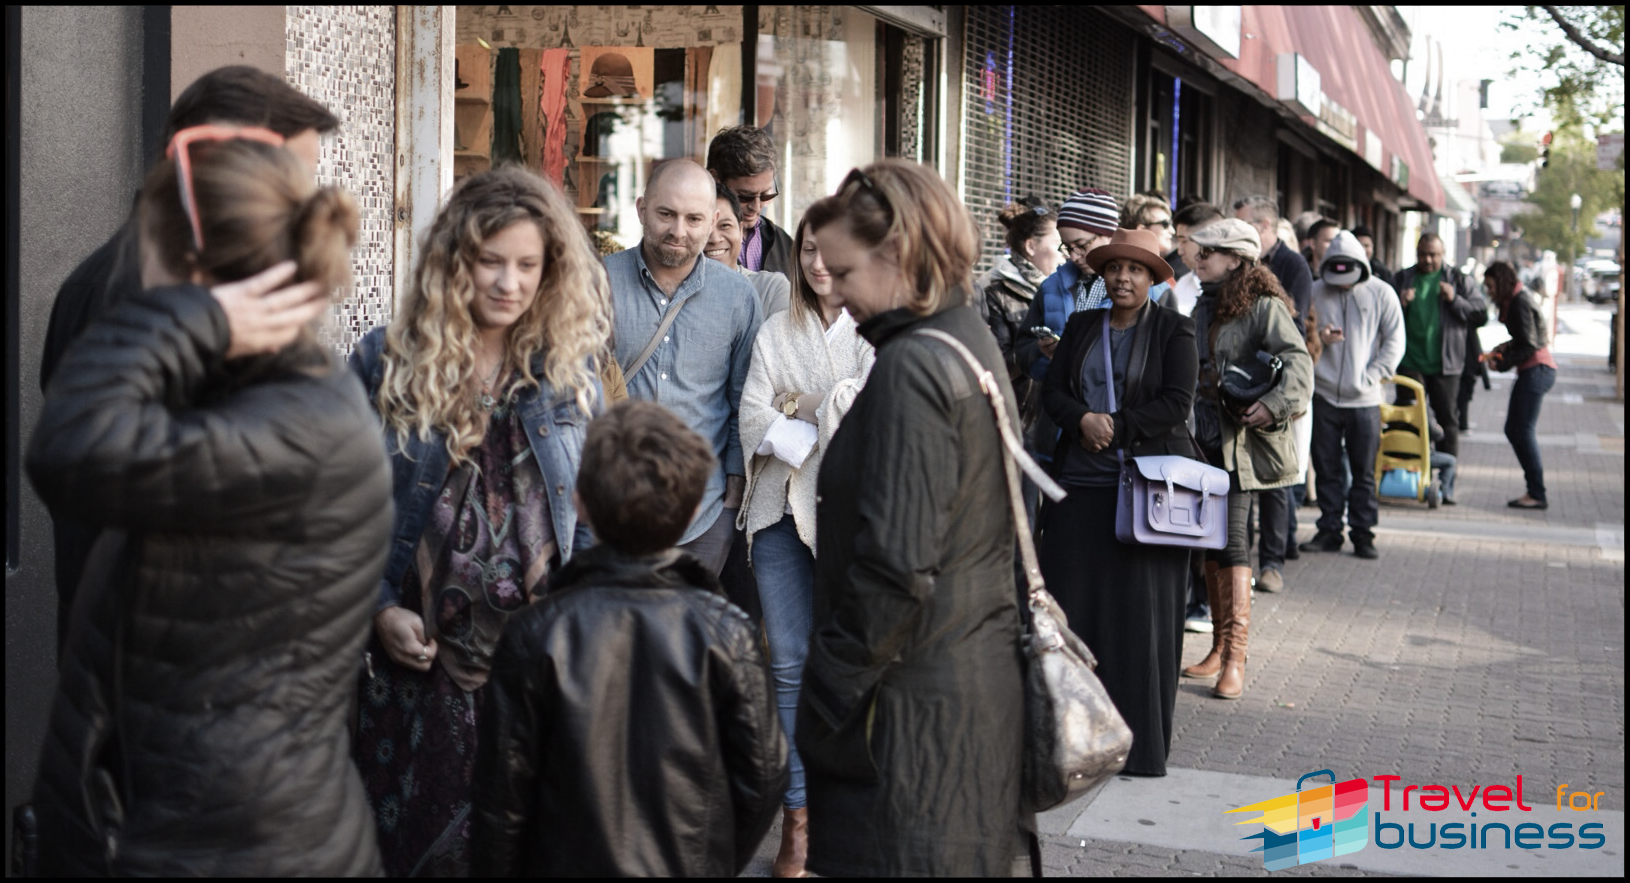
<point x="200" y="727"/>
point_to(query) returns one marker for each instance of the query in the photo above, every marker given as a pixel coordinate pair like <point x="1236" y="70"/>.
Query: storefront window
<point x="592" y="97"/>
<point x="818" y="97"/>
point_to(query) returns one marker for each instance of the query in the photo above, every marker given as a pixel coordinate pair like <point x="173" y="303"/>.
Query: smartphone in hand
<point x="1043" y="332"/>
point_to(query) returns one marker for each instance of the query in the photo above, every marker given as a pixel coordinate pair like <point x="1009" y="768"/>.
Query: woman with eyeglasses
<point x="201" y="724"/>
<point x="485" y="383"/>
<point x="1242" y="314"/>
<point x="1086" y="220"/>
<point x="1121" y="385"/>
<point x="910" y="718"/>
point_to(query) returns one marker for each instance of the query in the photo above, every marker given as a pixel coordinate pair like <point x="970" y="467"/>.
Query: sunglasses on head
<point x="1163" y="222"/>
<point x="180" y="150"/>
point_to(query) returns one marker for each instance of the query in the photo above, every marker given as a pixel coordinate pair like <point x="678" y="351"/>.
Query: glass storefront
<point x="593" y="96"/>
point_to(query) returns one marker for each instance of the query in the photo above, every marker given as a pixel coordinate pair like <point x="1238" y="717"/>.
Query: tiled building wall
<point x="345" y="57"/>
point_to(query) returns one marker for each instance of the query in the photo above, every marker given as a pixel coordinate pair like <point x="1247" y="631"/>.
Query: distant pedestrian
<point x="1278" y="507"/>
<point x="1032" y="256"/>
<point x="911" y="718"/>
<point x="1366" y="238"/>
<point x="742" y="158"/>
<point x="696" y="364"/>
<point x="236" y="95"/>
<point x="1186" y="290"/>
<point x="1086" y="220"/>
<point x="1125" y="601"/>
<point x="1361" y="326"/>
<point x="1242" y="314"/>
<point x="629" y="729"/>
<point x="242" y="497"/>
<point x="1526" y="353"/>
<point x="724" y="245"/>
<point x="1439" y="303"/>
<point x="484" y="383"/>
<point x="1150" y="212"/>
<point x="1319" y="236"/>
<point x="809" y="363"/>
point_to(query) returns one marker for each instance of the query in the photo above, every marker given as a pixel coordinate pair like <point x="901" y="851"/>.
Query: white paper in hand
<point x="789" y="440"/>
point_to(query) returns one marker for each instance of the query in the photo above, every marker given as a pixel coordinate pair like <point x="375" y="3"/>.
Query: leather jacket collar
<point x="602" y="565"/>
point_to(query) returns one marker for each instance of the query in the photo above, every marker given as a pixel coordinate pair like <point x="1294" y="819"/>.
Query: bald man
<point x="685" y="326"/>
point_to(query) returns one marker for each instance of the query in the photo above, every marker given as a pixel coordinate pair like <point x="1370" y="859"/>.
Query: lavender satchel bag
<point x="1167" y="500"/>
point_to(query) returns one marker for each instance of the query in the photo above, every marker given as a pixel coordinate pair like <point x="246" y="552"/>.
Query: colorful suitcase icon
<point x="1310" y="825"/>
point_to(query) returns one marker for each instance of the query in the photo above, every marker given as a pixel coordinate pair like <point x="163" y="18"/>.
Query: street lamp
<point x="1573" y="246"/>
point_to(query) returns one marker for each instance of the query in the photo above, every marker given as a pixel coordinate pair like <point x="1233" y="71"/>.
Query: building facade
<point x="1006" y="101"/>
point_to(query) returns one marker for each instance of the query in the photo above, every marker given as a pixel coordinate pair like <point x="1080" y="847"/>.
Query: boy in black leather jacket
<point x="630" y="726"/>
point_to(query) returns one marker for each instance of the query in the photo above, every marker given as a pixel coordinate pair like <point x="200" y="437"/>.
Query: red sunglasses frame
<point x="179" y="150"/>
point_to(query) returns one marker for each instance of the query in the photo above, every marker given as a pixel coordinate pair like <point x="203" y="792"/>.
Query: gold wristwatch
<point x="789" y="405"/>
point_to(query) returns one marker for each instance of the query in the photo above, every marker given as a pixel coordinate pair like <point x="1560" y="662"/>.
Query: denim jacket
<point x="555" y="427"/>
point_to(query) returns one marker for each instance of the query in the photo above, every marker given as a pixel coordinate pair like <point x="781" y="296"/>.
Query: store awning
<point x="1366" y="108"/>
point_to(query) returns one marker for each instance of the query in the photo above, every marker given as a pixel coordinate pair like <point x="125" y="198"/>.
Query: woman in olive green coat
<point x="1242" y="311"/>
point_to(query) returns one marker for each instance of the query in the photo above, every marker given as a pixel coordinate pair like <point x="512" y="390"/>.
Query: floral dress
<point x="485" y="554"/>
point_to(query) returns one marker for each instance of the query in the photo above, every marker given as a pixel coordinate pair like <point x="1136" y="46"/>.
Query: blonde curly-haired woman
<point x="484" y="383"/>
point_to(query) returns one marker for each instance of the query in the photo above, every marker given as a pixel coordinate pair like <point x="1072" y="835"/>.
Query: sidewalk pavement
<point x="1486" y="643"/>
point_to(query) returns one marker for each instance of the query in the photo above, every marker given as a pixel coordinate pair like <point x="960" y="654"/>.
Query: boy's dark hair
<point x="729" y="196"/>
<point x="248" y="97"/>
<point x="1320" y="226"/>
<point x="1197" y="214"/>
<point x="740" y="151"/>
<point x="643" y="473"/>
<point x="1359" y="230"/>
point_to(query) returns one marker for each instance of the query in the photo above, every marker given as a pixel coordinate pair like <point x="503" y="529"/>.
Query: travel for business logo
<point x="1316" y="823"/>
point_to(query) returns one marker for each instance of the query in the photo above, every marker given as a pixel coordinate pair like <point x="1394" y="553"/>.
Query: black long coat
<point x="201" y="726"/>
<point x="910" y="720"/>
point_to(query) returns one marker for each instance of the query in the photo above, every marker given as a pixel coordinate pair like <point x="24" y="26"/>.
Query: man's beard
<point x="671" y="256"/>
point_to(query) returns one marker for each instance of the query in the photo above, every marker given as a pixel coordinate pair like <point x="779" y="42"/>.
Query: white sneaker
<point x="1198" y="624"/>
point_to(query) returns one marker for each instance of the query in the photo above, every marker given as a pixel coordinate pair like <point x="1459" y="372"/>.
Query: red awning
<point x="1352" y="72"/>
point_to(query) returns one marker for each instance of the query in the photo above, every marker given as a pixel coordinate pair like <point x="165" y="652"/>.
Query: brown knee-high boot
<point x="789" y="862"/>
<point x="1235" y="588"/>
<point x="1212" y="664"/>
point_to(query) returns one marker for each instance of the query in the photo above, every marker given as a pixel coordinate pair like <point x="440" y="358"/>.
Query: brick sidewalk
<point x="1489" y="648"/>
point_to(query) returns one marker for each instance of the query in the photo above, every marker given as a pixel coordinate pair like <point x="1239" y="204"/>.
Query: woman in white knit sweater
<point x="808" y="366"/>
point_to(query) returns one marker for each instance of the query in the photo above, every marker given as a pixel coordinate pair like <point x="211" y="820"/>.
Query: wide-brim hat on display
<point x="612" y="74"/>
<point x="1231" y="235"/>
<point x="1137" y="245"/>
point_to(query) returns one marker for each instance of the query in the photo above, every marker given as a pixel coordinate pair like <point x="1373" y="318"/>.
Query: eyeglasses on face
<point x="180" y="150"/>
<point x="1081" y="246"/>
<point x="757" y="198"/>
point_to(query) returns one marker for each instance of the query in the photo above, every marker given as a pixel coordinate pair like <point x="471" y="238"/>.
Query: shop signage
<point x="1400" y="173"/>
<point x="1298" y="84"/>
<point x="1372" y="150"/>
<point x="1339" y="123"/>
<point x="1608" y="150"/>
<point x="1504" y="209"/>
<point x="1212" y="29"/>
<point x="1503" y="190"/>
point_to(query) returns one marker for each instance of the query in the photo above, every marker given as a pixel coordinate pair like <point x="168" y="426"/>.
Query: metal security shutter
<point x="1048" y="109"/>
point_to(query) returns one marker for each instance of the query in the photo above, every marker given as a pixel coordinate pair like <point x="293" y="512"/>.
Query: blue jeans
<point x="785" y="569"/>
<point x="1444" y="465"/>
<point x="1522" y="417"/>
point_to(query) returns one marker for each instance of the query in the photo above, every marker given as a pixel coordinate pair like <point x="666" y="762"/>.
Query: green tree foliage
<point x="1581" y="49"/>
<point x="1572" y="170"/>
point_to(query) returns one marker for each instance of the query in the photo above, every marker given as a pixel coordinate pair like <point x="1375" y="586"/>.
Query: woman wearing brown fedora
<point x="1125" y="601"/>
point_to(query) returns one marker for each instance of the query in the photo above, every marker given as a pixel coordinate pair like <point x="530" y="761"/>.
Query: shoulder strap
<point x="1014" y="459"/>
<point x="634" y="367"/>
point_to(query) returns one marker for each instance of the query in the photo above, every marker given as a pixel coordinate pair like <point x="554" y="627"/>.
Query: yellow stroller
<point x="1403" y="462"/>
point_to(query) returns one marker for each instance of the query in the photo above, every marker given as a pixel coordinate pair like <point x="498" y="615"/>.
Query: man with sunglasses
<point x="742" y="158"/>
<point x="258" y="316"/>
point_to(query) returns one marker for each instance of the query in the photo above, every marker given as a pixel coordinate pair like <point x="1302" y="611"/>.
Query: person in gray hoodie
<point x="1363" y="334"/>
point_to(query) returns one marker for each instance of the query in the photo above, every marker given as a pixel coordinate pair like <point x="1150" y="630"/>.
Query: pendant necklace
<point x="487" y="401"/>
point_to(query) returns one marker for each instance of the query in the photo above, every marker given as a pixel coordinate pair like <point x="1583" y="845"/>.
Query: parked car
<point x="1601" y="281"/>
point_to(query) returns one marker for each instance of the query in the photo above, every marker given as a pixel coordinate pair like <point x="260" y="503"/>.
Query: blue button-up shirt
<point x="698" y="369"/>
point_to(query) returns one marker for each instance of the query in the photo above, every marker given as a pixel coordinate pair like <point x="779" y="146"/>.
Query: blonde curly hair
<point x="430" y="378"/>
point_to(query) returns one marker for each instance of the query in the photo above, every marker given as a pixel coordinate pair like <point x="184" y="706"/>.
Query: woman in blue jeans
<point x="1536" y="374"/>
<point x="808" y="365"/>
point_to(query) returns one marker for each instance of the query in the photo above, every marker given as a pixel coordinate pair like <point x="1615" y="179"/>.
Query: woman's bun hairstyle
<point x="1024" y="220"/>
<point x="325" y="230"/>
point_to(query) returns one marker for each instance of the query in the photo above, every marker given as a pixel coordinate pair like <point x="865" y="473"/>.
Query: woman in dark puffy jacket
<point x="201" y="724"/>
<point x="1536" y="374"/>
